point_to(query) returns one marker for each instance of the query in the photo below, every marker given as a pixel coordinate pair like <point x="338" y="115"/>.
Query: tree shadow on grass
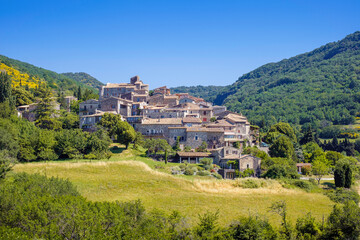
<point x="117" y="150"/>
<point x="329" y="185"/>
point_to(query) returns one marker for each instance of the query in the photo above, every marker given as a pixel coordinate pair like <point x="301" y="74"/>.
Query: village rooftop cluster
<point x="160" y="114"/>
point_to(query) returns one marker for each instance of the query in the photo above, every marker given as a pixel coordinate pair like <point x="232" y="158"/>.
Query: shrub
<point x="175" y="170"/>
<point x="306" y="185"/>
<point x="90" y="156"/>
<point x="189" y="171"/>
<point x="303" y="184"/>
<point x="203" y="173"/>
<point x="216" y="175"/>
<point x="342" y="195"/>
<point x="313" y="181"/>
<point x="182" y="167"/>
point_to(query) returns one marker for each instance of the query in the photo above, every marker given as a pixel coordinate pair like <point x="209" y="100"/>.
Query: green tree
<point x="320" y="167"/>
<point x="6" y="163"/>
<point x="307" y="227"/>
<point x="5" y="87"/>
<point x="45" y="112"/>
<point x="248" y="228"/>
<point x="202" y="147"/>
<point x="343" y="174"/>
<point x="343" y="222"/>
<point x="282" y="147"/>
<point x="281" y="128"/>
<point x="177" y="144"/>
<point x="166" y="156"/>
<point x="125" y="133"/>
<point x="308" y="136"/>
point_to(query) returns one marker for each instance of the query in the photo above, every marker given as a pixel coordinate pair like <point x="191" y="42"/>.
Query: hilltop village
<point x="179" y="118"/>
<point x="160" y="114"/>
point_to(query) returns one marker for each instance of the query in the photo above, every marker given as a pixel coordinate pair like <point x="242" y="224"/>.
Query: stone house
<point x="192" y="157"/>
<point x="299" y="166"/>
<point x="29" y="111"/>
<point x="195" y="136"/>
<point x="162" y="90"/>
<point x="89" y="107"/>
<point x="226" y="157"/>
<point x="118" y="105"/>
<point x="158" y="127"/>
<point x="120" y="90"/>
<point x="68" y="101"/>
<point x="88" y="122"/>
<point x="159" y="99"/>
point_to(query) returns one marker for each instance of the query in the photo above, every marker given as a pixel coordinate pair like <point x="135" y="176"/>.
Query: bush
<point x="182" y="167"/>
<point x="175" y="170"/>
<point x="313" y="181"/>
<point x="189" y="171"/>
<point x="203" y="173"/>
<point x="306" y="185"/>
<point x="303" y="184"/>
<point x="216" y="175"/>
<point x="342" y="195"/>
<point x="251" y="183"/>
<point x="90" y="156"/>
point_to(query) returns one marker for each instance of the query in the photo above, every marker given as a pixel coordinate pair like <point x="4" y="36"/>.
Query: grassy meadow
<point x="128" y="176"/>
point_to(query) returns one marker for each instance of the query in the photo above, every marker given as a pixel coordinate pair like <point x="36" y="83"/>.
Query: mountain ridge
<point x="319" y="85"/>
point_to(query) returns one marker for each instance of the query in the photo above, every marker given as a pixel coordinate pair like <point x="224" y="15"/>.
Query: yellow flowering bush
<point x="20" y="78"/>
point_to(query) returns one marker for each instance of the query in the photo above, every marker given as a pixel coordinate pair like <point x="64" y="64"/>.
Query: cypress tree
<point x="5" y="87"/>
<point x="348" y="176"/>
<point x="79" y="93"/>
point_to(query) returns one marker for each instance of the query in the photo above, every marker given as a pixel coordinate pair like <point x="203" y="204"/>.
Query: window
<point x="234" y="152"/>
<point x="113" y="106"/>
<point x="175" y="138"/>
<point x="204" y="112"/>
<point x="227" y="151"/>
<point x="247" y="166"/>
<point x="196" y="137"/>
<point x="204" y="119"/>
<point x="85" y="107"/>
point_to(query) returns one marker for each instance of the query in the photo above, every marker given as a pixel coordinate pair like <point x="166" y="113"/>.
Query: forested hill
<point x="209" y="93"/>
<point x="323" y="84"/>
<point x="29" y="75"/>
<point x="84" y="78"/>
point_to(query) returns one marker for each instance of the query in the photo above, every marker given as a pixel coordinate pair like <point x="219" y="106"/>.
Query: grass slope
<point x="124" y="180"/>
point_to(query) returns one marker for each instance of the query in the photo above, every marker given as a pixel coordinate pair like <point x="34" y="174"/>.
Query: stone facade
<point x="89" y="107"/>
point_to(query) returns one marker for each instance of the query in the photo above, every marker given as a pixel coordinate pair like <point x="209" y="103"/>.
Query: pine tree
<point x="308" y="136"/>
<point x="45" y="110"/>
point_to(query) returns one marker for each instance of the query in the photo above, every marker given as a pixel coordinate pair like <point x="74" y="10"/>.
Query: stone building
<point x="192" y="157"/>
<point x="68" y="101"/>
<point x="230" y="159"/>
<point x="162" y="90"/>
<point x="136" y="88"/>
<point x="157" y="127"/>
<point x="29" y="111"/>
<point x="89" y="107"/>
<point x="118" y="105"/>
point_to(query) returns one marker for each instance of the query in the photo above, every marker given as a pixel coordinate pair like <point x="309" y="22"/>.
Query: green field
<point x="123" y="179"/>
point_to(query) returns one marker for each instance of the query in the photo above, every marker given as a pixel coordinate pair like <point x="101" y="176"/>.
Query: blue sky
<point x="169" y="43"/>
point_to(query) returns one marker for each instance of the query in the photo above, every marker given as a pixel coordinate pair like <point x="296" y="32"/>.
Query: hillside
<point x="127" y="177"/>
<point x="84" y="78"/>
<point x="26" y="74"/>
<point x="209" y="93"/>
<point x="323" y="84"/>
